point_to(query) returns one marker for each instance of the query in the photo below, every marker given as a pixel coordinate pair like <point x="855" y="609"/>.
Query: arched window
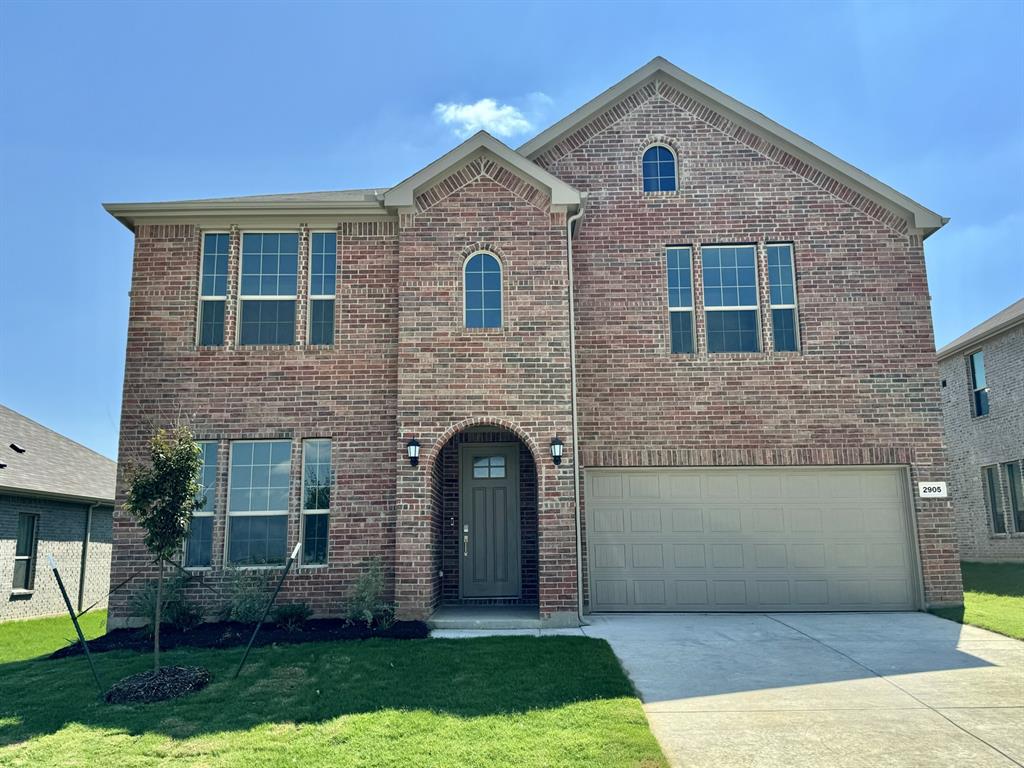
<point x="482" y="281"/>
<point x="659" y="169"/>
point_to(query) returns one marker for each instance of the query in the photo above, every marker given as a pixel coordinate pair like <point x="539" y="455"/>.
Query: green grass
<point x="993" y="598"/>
<point x="27" y="639"/>
<point x="501" y="701"/>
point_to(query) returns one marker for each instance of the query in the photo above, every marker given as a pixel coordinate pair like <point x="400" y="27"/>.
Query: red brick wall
<point x="863" y="389"/>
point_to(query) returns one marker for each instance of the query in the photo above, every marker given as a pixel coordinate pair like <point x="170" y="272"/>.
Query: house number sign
<point x="932" y="490"/>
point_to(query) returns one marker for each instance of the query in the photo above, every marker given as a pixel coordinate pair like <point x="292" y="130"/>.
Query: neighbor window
<point x="1016" y="494"/>
<point x="213" y="289"/>
<point x="199" y="545"/>
<point x="782" y="288"/>
<point x="258" y="502"/>
<point x="25" y="551"/>
<point x="659" y="165"/>
<point x="680" y="300"/>
<point x="323" y="258"/>
<point x="994" y="498"/>
<point x="979" y="390"/>
<point x="268" y="288"/>
<point x="483" y="291"/>
<point x="316" y="500"/>
<point x="730" y="298"/>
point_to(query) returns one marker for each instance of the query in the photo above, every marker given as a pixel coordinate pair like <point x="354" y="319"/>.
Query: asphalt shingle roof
<point x="1000" y="321"/>
<point x="51" y="464"/>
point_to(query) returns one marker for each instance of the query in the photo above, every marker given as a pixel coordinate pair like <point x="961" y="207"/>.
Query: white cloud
<point x="488" y="115"/>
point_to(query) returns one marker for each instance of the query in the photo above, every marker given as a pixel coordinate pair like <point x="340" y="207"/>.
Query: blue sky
<point x="131" y="102"/>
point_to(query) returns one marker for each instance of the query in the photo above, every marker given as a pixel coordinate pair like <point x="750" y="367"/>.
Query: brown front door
<point x="489" y="520"/>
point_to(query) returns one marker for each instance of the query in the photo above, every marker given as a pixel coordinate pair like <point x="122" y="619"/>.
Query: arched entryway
<point x="484" y="503"/>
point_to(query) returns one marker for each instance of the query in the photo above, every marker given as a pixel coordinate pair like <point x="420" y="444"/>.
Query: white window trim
<point x="501" y="277"/>
<point x="203" y="297"/>
<point x="793" y="306"/>
<point x="690" y="309"/>
<point x="321" y="296"/>
<point x="244" y="297"/>
<point x="675" y="167"/>
<point x="756" y="307"/>
<point x="228" y="514"/>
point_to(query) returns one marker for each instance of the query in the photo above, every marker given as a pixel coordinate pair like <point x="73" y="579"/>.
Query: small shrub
<point x="176" y="612"/>
<point x="250" y="591"/>
<point x="365" y="605"/>
<point x="291" y="616"/>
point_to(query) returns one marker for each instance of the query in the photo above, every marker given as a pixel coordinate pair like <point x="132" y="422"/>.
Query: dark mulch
<point x="226" y="634"/>
<point x="165" y="683"/>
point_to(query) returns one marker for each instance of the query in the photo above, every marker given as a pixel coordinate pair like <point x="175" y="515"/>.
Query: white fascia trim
<point x="921" y="218"/>
<point x="203" y="213"/>
<point x="403" y="195"/>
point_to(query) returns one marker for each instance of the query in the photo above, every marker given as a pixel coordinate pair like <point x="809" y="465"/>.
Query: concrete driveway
<point x="793" y="690"/>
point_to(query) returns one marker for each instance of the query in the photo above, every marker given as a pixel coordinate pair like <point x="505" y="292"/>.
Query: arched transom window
<point x="659" y="169"/>
<point x="483" y="291"/>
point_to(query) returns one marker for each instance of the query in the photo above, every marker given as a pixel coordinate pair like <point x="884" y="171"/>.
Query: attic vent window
<point x="17" y="448"/>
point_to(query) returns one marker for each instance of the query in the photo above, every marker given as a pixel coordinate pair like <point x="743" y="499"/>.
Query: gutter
<point x="575" y="418"/>
<point x="85" y="554"/>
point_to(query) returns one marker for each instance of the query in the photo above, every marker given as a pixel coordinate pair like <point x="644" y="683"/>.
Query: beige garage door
<point x="749" y="540"/>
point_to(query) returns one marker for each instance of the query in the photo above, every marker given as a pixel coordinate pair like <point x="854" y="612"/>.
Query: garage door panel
<point x="707" y="540"/>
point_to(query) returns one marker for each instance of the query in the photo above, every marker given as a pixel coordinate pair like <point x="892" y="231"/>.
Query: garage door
<point x="749" y="540"/>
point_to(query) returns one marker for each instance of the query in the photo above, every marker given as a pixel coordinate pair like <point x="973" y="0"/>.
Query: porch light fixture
<point x="412" y="448"/>
<point x="557" y="446"/>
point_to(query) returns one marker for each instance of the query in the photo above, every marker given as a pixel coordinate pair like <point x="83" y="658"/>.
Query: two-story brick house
<point x="983" y="406"/>
<point x="667" y="355"/>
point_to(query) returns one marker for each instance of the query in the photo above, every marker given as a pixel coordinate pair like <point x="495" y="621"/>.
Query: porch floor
<point x="485" y="617"/>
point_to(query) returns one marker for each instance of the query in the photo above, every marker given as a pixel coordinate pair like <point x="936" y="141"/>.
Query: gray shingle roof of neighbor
<point x="999" y="322"/>
<point x="52" y="465"/>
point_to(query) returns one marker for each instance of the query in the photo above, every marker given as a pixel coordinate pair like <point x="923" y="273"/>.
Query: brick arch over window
<point x="454" y="429"/>
<point x="491" y="248"/>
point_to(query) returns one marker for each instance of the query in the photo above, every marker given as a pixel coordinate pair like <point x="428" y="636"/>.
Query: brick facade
<point x="862" y="390"/>
<point x="976" y="442"/>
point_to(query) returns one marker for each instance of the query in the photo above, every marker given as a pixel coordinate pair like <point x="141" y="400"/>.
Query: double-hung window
<point x="268" y="288"/>
<point x="979" y="389"/>
<point x="680" y="300"/>
<point x="316" y="500"/>
<point x="994" y="499"/>
<point x="1016" y="494"/>
<point x="323" y="260"/>
<point x="730" y="297"/>
<point x="25" y="551"/>
<point x="199" y="545"/>
<point x="213" y="289"/>
<point x="782" y="288"/>
<point x="258" y="502"/>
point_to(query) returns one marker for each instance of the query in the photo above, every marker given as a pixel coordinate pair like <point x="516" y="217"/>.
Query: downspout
<point x="575" y="421"/>
<point x="85" y="554"/>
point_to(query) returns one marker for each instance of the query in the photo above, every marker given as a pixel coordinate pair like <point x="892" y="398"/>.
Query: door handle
<point x="465" y="545"/>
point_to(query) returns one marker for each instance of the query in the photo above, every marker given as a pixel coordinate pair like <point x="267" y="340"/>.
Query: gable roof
<point x="921" y="217"/>
<point x="403" y="194"/>
<point x="1001" y="321"/>
<point x="52" y="465"/>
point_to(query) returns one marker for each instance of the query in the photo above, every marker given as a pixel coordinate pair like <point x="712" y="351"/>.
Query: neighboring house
<point x="983" y="406"/>
<point x="734" y="322"/>
<point x="56" y="498"/>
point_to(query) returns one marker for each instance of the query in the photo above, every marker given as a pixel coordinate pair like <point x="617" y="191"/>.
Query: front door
<point x="489" y="520"/>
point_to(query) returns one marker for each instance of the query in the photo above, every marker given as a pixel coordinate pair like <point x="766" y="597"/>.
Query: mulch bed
<point x="227" y="634"/>
<point x="166" y="683"/>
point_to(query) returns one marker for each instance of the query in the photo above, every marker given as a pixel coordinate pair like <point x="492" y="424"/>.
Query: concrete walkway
<point x="847" y="690"/>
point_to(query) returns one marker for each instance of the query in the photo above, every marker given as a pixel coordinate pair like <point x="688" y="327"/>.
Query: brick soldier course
<point x="861" y="390"/>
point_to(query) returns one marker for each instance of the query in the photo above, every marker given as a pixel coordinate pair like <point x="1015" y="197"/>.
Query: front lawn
<point x="993" y="598"/>
<point x="501" y="701"/>
<point x="39" y="637"/>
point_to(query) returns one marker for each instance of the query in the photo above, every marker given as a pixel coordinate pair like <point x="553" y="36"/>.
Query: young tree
<point x="162" y="497"/>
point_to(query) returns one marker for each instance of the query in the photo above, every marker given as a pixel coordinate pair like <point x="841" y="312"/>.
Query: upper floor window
<point x="268" y="288"/>
<point x="659" y="164"/>
<point x="782" y="288"/>
<point x="258" y="502"/>
<point x="680" y="300"/>
<point x="993" y="496"/>
<point x="730" y="298"/>
<point x="483" y="291"/>
<point x="213" y="289"/>
<point x="979" y="389"/>
<point x="323" y="266"/>
<point x="199" y="544"/>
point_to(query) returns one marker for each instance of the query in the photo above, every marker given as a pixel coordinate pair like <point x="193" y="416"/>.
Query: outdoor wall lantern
<point x="557" y="446"/>
<point x="413" y="449"/>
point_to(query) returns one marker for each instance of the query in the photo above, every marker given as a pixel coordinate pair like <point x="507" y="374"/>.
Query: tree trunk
<point x="159" y="606"/>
